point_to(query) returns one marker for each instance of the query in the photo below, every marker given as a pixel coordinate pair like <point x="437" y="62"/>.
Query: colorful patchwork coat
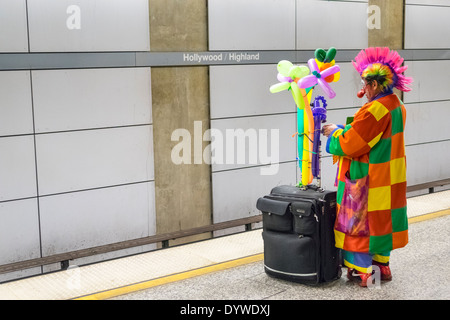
<point x="372" y="147"/>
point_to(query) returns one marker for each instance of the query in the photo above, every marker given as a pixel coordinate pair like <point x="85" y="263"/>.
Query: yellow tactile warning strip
<point x="218" y="267"/>
<point x="429" y="216"/>
<point x="172" y="278"/>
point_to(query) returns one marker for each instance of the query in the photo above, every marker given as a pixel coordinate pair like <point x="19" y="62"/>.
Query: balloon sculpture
<point x="289" y="75"/>
<point x="320" y="115"/>
<point x="301" y="84"/>
<point x="327" y="72"/>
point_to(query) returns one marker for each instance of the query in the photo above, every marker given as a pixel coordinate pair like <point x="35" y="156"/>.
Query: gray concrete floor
<point x="421" y="270"/>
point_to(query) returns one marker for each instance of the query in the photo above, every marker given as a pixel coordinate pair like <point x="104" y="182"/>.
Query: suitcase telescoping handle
<point x="272" y="206"/>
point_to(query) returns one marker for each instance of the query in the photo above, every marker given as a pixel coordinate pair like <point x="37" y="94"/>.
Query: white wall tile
<point x="244" y="90"/>
<point x="282" y="125"/>
<point x="251" y="24"/>
<point x="13" y="26"/>
<point x="19" y="231"/>
<point x="430" y="80"/>
<point x="86" y="219"/>
<point x="104" y="25"/>
<point x="427" y="162"/>
<point x="324" y="24"/>
<point x="91" y="98"/>
<point x="235" y="192"/>
<point x="17" y="168"/>
<point x="427" y="27"/>
<point x="428" y="2"/>
<point x="427" y="122"/>
<point x="16" y="112"/>
<point x="94" y="158"/>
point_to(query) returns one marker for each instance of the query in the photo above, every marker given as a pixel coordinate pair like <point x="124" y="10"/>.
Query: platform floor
<point x="231" y="267"/>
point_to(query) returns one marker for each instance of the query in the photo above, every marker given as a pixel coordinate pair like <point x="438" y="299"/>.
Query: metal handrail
<point x="63" y="258"/>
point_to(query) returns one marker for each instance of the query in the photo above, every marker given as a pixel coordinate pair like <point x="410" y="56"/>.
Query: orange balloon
<point x="324" y="66"/>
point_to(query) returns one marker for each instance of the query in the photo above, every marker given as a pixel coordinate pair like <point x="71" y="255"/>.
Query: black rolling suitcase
<point x="298" y="234"/>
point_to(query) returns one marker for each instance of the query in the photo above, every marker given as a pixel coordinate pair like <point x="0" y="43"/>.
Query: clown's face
<point x="370" y="89"/>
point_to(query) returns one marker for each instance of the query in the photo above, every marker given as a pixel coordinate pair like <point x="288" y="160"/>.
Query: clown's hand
<point x="328" y="129"/>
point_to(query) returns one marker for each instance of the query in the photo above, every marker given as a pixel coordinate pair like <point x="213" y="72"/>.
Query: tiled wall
<point x="427" y="133"/>
<point x="76" y="165"/>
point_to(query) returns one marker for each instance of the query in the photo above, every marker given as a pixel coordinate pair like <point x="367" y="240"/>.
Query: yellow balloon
<point x="296" y="95"/>
<point x="305" y="157"/>
<point x="337" y="76"/>
<point x="308" y="124"/>
<point x="279" y="87"/>
<point x="298" y="72"/>
<point x="284" y="66"/>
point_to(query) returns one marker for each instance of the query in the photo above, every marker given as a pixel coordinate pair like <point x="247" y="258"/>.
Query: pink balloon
<point x="317" y="78"/>
<point x="331" y="70"/>
<point x="313" y="65"/>
<point x="282" y="78"/>
<point x="326" y="87"/>
<point x="307" y="82"/>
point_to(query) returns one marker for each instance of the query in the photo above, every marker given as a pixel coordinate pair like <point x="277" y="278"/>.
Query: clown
<point x="371" y="180"/>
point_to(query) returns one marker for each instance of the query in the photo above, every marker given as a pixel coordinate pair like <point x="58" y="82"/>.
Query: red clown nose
<point x="360" y="94"/>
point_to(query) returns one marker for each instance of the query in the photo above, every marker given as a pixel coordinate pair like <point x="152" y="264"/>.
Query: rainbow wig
<point x="384" y="66"/>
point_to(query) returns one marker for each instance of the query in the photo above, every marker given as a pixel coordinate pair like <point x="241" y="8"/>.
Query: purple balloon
<point x="331" y="70"/>
<point x="282" y="78"/>
<point x="307" y="82"/>
<point x="317" y="78"/>
<point x="326" y="87"/>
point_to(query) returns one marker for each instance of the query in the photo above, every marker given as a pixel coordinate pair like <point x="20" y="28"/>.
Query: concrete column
<point x="391" y="26"/>
<point x="180" y="96"/>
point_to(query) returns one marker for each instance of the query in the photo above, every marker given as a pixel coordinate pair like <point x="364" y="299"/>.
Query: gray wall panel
<point x="94" y="158"/>
<point x="428" y="2"/>
<point x="427" y="122"/>
<point x="91" y="218"/>
<point x="282" y="125"/>
<point x="17" y="168"/>
<point x="427" y="162"/>
<point x="13" y="26"/>
<point x="324" y="24"/>
<point x="16" y="113"/>
<point x="251" y="24"/>
<point x="431" y="81"/>
<point x="244" y="91"/>
<point x="19" y="231"/>
<point x="91" y="98"/>
<point x="427" y="27"/>
<point x="235" y="192"/>
<point x="88" y="25"/>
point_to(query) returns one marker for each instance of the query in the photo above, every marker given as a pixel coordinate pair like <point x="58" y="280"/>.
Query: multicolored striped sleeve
<point x="358" y="137"/>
